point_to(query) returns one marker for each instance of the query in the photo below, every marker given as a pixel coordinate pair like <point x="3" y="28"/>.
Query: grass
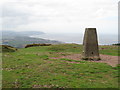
<point x="33" y="68"/>
<point x="110" y="50"/>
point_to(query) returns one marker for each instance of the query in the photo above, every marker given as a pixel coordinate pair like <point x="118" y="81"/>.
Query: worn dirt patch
<point x="111" y="60"/>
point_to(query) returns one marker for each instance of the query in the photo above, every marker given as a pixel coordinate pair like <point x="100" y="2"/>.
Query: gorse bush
<point x="6" y="48"/>
<point x="32" y="45"/>
<point x="117" y="44"/>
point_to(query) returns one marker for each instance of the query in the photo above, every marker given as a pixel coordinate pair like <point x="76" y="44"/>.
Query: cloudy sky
<point x="58" y="16"/>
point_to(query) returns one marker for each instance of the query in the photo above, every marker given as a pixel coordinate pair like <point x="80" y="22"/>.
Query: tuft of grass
<point x="45" y="57"/>
<point x="56" y="49"/>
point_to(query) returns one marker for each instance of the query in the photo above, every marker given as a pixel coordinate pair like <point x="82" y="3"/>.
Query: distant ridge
<point x="21" y="39"/>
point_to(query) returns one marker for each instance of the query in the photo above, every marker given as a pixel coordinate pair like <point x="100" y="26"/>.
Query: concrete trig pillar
<point x="90" y="45"/>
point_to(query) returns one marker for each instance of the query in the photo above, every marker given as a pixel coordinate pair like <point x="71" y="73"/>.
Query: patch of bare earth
<point x="111" y="60"/>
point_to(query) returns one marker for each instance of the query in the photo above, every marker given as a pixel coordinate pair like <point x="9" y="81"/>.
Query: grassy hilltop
<point x="35" y="67"/>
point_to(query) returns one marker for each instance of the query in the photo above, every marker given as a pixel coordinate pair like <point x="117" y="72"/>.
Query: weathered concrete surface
<point x="90" y="44"/>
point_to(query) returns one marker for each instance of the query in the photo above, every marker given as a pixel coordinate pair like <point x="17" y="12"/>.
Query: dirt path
<point x="111" y="60"/>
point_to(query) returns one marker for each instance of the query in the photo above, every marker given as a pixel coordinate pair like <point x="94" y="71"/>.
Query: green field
<point x="33" y="68"/>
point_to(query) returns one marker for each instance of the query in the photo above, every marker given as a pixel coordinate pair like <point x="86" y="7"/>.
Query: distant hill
<point x="21" y="39"/>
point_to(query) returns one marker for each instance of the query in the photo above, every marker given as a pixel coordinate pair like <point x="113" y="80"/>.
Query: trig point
<point x="90" y="45"/>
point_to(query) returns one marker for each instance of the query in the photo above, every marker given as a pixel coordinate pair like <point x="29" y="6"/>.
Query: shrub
<point x="6" y="48"/>
<point x="33" y="45"/>
<point x="117" y="44"/>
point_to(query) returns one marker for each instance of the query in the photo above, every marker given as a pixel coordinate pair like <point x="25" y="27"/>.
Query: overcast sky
<point x="68" y="16"/>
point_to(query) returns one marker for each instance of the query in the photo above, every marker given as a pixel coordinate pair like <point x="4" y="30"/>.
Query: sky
<point x="59" y="16"/>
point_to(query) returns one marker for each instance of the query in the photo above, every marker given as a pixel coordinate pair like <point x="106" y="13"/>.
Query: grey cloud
<point x="14" y="22"/>
<point x="13" y="17"/>
<point x="51" y="15"/>
<point x="9" y="10"/>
